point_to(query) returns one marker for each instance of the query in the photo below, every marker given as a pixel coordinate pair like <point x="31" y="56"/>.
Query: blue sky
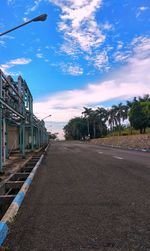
<point x="87" y="53"/>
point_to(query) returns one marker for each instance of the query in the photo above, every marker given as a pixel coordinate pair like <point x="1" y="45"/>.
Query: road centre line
<point x="117" y="157"/>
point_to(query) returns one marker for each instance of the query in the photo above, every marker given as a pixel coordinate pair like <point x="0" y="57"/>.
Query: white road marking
<point x="117" y="157"/>
<point x="100" y="152"/>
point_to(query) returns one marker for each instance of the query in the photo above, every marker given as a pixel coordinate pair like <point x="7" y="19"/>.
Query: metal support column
<point x="23" y="126"/>
<point x="4" y="140"/>
<point x="37" y="137"/>
<point x="22" y="138"/>
<point x="1" y="157"/>
<point x="7" y="153"/>
<point x="31" y="121"/>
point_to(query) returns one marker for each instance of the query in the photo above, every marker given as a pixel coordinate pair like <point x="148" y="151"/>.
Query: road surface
<point x="88" y="198"/>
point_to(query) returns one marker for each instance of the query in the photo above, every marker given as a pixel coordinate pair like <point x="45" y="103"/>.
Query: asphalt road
<point x="88" y="198"/>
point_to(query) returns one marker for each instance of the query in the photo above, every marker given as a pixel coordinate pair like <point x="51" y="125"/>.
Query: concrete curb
<point x="16" y="203"/>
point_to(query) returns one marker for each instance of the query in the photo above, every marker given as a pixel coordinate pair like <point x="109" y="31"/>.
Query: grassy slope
<point x="136" y="140"/>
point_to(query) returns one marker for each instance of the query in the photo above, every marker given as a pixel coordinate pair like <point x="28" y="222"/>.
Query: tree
<point x="146" y="110"/>
<point x="139" y="112"/>
<point x="87" y="113"/>
<point x="145" y="98"/>
<point x="112" y="120"/>
<point x="102" y="117"/>
<point x="138" y="118"/>
<point x="93" y="118"/>
<point x="121" y="113"/>
<point x="53" y="135"/>
<point x="76" y="129"/>
<point x="95" y="122"/>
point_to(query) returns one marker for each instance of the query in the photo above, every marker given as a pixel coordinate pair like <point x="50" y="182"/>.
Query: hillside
<point x="129" y="141"/>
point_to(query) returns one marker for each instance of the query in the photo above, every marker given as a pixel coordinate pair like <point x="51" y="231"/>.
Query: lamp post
<point x="46" y="117"/>
<point x="42" y="17"/>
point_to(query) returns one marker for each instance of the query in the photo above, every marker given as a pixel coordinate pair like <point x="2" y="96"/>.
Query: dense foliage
<point x="53" y="135"/>
<point x="100" y="122"/>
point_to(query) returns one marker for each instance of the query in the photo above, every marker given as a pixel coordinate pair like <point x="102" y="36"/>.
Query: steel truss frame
<point x="16" y="109"/>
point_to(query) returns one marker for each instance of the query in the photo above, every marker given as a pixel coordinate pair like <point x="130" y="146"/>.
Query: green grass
<point x="127" y="131"/>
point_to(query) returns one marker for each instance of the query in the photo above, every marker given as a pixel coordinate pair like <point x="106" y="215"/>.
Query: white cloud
<point x="39" y="55"/>
<point x="79" y="25"/>
<point x="100" y="60"/>
<point x="107" y="26"/>
<point x="71" y="69"/>
<point x="19" y="61"/>
<point x="2" y="43"/>
<point x="83" y="35"/>
<point x="10" y="2"/>
<point x="141" y="46"/>
<point x="8" y="37"/>
<point x="25" y="19"/>
<point x="3" y="38"/>
<point x="120" y="45"/>
<point x="12" y="63"/>
<point x="121" y="56"/>
<point x="70" y="50"/>
<point x="34" y="7"/>
<point x="130" y="80"/>
<point x="142" y="8"/>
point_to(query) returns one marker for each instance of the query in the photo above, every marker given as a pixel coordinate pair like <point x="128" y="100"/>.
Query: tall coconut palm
<point x="129" y="106"/>
<point x="120" y="113"/>
<point x="112" y="120"/>
<point x="145" y="98"/>
<point x="87" y="112"/>
<point x="93" y="118"/>
<point x="102" y="115"/>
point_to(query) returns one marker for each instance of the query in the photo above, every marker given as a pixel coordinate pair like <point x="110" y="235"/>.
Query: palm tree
<point x="102" y="115"/>
<point x="93" y="118"/>
<point x="120" y="114"/>
<point x="129" y="106"/>
<point x="112" y="120"/>
<point x="87" y="112"/>
<point x="145" y="98"/>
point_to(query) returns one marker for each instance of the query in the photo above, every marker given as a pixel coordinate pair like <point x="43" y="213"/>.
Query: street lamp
<point x="42" y="17"/>
<point x="46" y="117"/>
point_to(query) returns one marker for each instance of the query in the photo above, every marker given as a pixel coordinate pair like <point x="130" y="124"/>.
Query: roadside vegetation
<point x="52" y="136"/>
<point x="122" y="119"/>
